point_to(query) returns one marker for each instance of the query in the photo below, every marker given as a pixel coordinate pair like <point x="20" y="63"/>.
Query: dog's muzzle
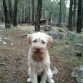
<point x="38" y="49"/>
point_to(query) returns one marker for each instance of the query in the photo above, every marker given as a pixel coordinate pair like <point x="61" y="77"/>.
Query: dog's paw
<point x="52" y="81"/>
<point x="29" y="80"/>
<point x="42" y="82"/>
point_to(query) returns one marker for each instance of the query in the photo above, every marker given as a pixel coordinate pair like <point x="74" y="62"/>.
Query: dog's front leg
<point x="34" y="77"/>
<point x="49" y="76"/>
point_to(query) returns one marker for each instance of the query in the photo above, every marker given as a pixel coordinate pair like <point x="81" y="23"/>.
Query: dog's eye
<point x="43" y="42"/>
<point x="34" y="40"/>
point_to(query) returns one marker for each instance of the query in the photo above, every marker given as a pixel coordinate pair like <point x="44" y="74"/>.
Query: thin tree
<point x="1" y="12"/>
<point x="43" y="13"/>
<point x="49" y="18"/>
<point x="10" y="10"/>
<point x="49" y="14"/>
<point x="70" y="16"/>
<point x="7" y="22"/>
<point x="74" y="14"/>
<point x="29" y="12"/>
<point x="32" y="12"/>
<point x="82" y="14"/>
<point x="79" y="16"/>
<point x="38" y="15"/>
<point x="64" y="14"/>
<point x="15" y="13"/>
<point x="60" y="18"/>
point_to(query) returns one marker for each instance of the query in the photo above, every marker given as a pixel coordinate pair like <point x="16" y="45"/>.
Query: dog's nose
<point x="38" y="49"/>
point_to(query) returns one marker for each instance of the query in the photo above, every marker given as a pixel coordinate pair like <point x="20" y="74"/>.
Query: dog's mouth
<point x="36" y="50"/>
<point x="38" y="54"/>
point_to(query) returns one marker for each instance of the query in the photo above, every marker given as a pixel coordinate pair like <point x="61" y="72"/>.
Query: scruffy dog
<point x="39" y="59"/>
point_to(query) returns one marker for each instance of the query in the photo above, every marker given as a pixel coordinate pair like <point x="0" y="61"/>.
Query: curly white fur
<point x="38" y="58"/>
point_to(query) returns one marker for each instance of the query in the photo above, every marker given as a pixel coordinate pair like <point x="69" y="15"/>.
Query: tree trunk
<point x="64" y="14"/>
<point x="27" y="10"/>
<point x="60" y="17"/>
<point x="7" y="22"/>
<point x="23" y="19"/>
<point x="10" y="11"/>
<point x="29" y="16"/>
<point x="24" y="13"/>
<point x="15" y="13"/>
<point x="43" y="13"/>
<point x="82" y="14"/>
<point x="38" y="16"/>
<point x="28" y="13"/>
<point x="79" y="16"/>
<point x="74" y="14"/>
<point x="32" y="12"/>
<point x="70" y="16"/>
<point x="49" y="18"/>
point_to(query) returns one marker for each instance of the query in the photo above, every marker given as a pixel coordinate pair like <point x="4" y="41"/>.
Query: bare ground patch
<point x="13" y="58"/>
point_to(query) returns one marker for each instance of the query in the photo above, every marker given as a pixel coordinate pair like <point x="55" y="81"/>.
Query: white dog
<point x="38" y="58"/>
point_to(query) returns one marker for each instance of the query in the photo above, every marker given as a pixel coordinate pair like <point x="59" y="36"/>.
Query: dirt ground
<point x="13" y="57"/>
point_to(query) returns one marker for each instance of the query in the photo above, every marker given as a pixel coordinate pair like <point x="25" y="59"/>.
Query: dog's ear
<point x="29" y="38"/>
<point x="50" y="41"/>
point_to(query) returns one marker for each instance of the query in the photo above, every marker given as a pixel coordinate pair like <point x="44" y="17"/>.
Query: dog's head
<point x="39" y="42"/>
